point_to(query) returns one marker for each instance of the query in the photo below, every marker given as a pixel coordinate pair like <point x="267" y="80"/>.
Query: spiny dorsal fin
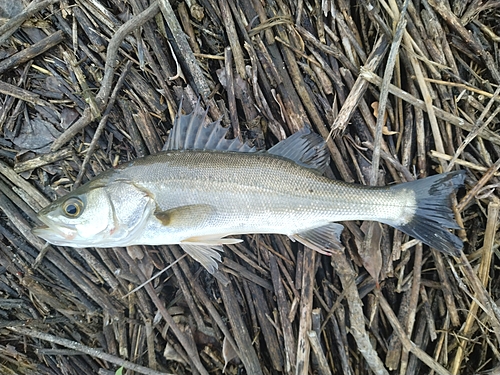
<point x="190" y="133"/>
<point x="305" y="148"/>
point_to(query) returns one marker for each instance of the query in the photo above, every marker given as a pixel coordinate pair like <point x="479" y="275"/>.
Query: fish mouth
<point x="39" y="229"/>
<point x="55" y="234"/>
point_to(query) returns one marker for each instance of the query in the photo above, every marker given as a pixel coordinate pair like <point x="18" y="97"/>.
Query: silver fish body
<point x="197" y="198"/>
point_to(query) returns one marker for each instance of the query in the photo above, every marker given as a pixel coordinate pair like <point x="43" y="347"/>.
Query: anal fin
<point x="324" y="239"/>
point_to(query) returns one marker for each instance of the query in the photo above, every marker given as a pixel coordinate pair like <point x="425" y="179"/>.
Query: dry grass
<point x="87" y="84"/>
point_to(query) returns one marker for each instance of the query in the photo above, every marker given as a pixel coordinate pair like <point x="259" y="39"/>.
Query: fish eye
<point x="73" y="207"/>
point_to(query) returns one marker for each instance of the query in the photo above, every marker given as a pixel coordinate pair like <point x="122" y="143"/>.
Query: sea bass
<point x="203" y="188"/>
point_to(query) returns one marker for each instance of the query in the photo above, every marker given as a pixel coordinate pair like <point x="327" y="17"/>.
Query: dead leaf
<point x="228" y="352"/>
<point x="68" y="117"/>
<point x="35" y="135"/>
<point x="135" y="252"/>
<point x="171" y="354"/>
<point x="374" y="106"/>
<point x="370" y="253"/>
<point x="386" y="131"/>
<point x="375" y="111"/>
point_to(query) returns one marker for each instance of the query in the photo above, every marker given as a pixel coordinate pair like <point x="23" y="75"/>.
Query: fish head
<point x="101" y="215"/>
<point x="77" y="219"/>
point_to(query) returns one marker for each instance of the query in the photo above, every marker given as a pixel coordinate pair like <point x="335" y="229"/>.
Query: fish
<point x="203" y="190"/>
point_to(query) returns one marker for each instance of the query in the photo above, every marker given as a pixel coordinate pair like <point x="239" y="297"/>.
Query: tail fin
<point x="433" y="215"/>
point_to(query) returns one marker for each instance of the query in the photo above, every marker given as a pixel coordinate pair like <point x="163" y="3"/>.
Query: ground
<point x="398" y="91"/>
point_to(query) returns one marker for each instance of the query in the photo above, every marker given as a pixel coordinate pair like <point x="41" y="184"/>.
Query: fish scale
<point x="272" y="185"/>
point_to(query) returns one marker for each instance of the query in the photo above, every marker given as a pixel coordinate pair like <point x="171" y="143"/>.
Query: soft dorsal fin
<point x="190" y="133"/>
<point x="305" y="148"/>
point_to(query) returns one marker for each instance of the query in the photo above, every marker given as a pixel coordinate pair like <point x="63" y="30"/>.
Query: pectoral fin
<point x="323" y="239"/>
<point x="190" y="215"/>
